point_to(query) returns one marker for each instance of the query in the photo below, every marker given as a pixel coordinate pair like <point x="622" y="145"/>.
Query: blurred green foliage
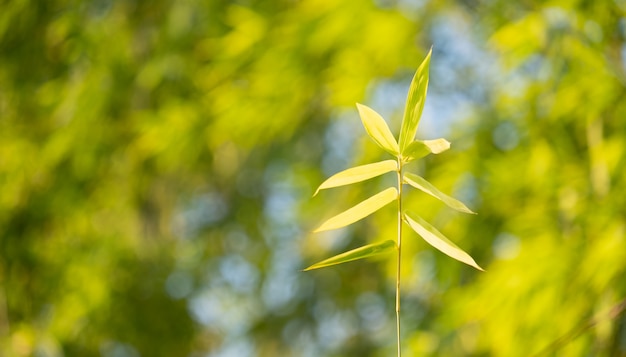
<point x="157" y="159"/>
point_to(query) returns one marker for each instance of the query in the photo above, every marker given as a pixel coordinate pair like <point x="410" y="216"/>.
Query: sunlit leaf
<point x="414" y="103"/>
<point x="421" y="184"/>
<point x="365" y="251"/>
<point x="437" y="146"/>
<point x="361" y="210"/>
<point x="420" y="148"/>
<point x="377" y="129"/>
<point x="415" y="150"/>
<point x="358" y="173"/>
<point x="438" y="240"/>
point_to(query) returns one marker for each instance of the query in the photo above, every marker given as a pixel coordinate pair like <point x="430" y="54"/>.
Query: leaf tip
<point x="429" y="54"/>
<point x="471" y="262"/>
<point x="466" y="209"/>
<point x="324" y="227"/>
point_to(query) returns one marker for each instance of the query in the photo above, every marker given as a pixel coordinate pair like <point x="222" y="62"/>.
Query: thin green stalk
<point x="405" y="151"/>
<point x="399" y="172"/>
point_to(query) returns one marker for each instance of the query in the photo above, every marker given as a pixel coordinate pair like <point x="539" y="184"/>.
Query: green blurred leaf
<point x="431" y="235"/>
<point x="415" y="103"/>
<point x="365" y="251"/>
<point x="377" y="129"/>
<point x="437" y="146"/>
<point x="358" y="174"/>
<point x="360" y="211"/>
<point x="420" y="148"/>
<point x="421" y="184"/>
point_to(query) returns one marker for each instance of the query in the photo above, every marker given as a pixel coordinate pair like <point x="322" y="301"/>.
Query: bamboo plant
<point x="404" y="150"/>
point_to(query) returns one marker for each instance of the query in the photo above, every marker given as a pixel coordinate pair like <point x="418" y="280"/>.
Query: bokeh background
<point x="157" y="161"/>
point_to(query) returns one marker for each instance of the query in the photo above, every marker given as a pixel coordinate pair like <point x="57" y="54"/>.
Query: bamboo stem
<point x="399" y="172"/>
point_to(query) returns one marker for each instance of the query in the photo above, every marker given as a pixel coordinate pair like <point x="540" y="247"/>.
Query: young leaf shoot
<point x="405" y="150"/>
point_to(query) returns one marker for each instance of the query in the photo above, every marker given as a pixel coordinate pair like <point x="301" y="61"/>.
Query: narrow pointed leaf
<point x="358" y="174"/>
<point x="437" y="146"/>
<point x="421" y="184"/>
<point x="420" y="148"/>
<point x="377" y="129"/>
<point x="415" y="150"/>
<point x="431" y="235"/>
<point x="365" y="251"/>
<point x="360" y="211"/>
<point x="414" y="103"/>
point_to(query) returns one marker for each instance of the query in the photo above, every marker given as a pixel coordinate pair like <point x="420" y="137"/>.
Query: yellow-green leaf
<point x="377" y="129"/>
<point x="360" y="211"/>
<point x="414" y="103"/>
<point x="365" y="251"/>
<point x="358" y="174"/>
<point x="421" y="184"/>
<point x="431" y="235"/>
<point x="437" y="146"/>
<point x="420" y="148"/>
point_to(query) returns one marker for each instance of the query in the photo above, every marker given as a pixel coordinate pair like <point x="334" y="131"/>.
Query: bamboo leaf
<point x="365" y="251"/>
<point x="431" y="235"/>
<point x="437" y="146"/>
<point x="415" y="150"/>
<point x="420" y="148"/>
<point x="421" y="184"/>
<point x="360" y="211"/>
<point x="358" y="173"/>
<point x="377" y="129"/>
<point x="414" y="103"/>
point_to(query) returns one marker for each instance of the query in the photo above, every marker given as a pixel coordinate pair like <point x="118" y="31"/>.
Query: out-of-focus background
<point x="157" y="161"/>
